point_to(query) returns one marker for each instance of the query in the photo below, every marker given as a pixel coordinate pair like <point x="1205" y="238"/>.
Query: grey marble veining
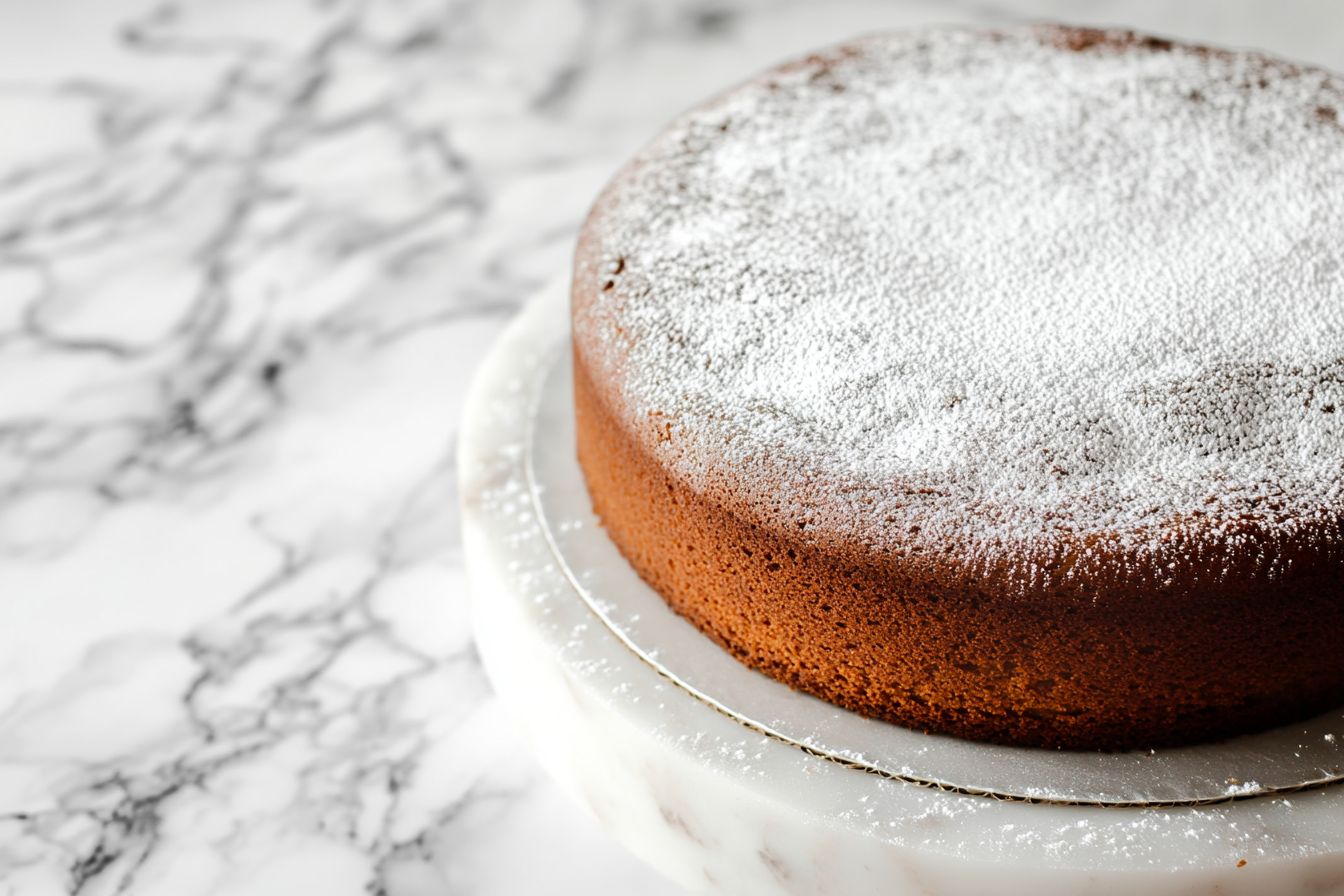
<point x="250" y="253"/>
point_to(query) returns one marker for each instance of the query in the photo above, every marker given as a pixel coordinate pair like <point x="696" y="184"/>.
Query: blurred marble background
<point x="250" y="252"/>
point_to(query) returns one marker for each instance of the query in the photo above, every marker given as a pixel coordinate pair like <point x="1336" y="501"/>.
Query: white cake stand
<point x="730" y="783"/>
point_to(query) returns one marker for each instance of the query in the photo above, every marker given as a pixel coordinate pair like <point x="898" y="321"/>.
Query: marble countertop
<point x="250" y="253"/>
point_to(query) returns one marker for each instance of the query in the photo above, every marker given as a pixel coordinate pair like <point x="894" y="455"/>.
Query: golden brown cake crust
<point x="1192" y="637"/>
<point x="915" y="648"/>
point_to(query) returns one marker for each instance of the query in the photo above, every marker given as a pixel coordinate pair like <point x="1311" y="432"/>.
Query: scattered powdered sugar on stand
<point x="1008" y="290"/>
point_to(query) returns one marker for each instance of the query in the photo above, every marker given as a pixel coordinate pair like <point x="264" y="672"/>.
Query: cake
<point x="989" y="383"/>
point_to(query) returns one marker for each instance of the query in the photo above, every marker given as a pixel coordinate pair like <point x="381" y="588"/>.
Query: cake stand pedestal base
<point x="719" y="806"/>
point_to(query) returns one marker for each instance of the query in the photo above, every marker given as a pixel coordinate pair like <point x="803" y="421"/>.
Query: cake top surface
<point x="1031" y="288"/>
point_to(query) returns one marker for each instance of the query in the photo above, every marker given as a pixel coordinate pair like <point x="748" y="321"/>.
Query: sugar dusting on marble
<point x="998" y="290"/>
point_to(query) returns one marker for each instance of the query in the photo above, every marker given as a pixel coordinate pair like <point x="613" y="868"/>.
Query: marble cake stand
<point x="639" y="723"/>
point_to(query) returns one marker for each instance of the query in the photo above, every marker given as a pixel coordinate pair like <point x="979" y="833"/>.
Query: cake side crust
<point x="866" y="634"/>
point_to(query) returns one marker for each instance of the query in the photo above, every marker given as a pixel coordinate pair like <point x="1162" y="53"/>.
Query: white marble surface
<point x="250" y="252"/>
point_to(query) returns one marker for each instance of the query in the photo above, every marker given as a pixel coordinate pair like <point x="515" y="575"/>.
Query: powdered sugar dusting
<point x="993" y="291"/>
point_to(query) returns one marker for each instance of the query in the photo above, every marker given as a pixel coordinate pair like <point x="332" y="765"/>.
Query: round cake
<point x="988" y="382"/>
